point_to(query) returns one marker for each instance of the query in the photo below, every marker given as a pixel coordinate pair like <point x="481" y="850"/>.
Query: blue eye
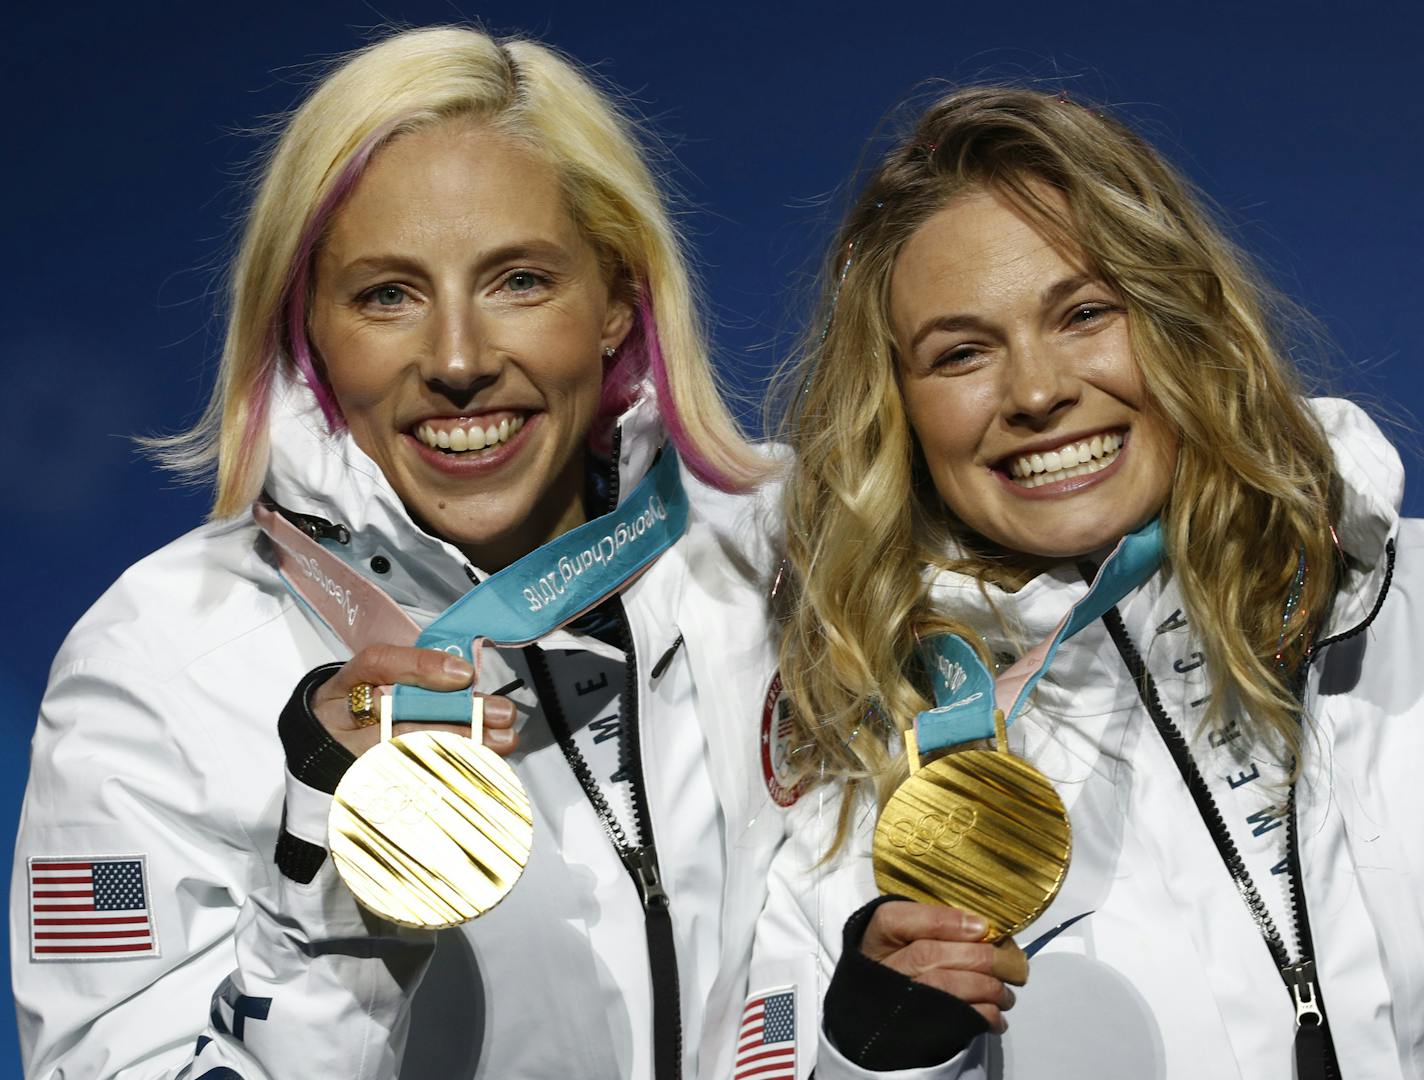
<point x="522" y="281"/>
<point x="387" y="295"/>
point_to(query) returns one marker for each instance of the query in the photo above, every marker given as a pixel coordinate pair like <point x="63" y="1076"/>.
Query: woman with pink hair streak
<point x="462" y="362"/>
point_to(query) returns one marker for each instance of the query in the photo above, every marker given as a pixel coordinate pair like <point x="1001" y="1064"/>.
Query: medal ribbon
<point x="546" y="589"/>
<point x="966" y="695"/>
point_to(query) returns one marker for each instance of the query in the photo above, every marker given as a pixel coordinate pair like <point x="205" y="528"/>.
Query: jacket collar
<point x="1372" y="478"/>
<point x="326" y="475"/>
<point x="1373" y="485"/>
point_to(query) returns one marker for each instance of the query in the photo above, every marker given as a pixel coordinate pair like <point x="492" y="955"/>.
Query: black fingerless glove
<point x="882" y="1020"/>
<point x="314" y="758"/>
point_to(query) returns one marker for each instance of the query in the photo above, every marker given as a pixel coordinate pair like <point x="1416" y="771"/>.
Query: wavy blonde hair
<point x="1254" y="481"/>
<point x="412" y="80"/>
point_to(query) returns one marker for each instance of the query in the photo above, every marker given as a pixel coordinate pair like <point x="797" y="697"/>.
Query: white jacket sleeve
<point x="798" y="938"/>
<point x="245" y="975"/>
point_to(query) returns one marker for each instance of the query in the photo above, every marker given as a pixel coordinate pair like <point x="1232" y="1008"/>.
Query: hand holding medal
<point x="431" y="828"/>
<point x="428" y="828"/>
<point x="379" y="668"/>
<point x="980" y="830"/>
<point x="983" y="830"/>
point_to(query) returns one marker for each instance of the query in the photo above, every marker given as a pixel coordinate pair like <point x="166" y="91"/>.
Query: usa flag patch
<point x="766" y="1041"/>
<point x="90" y="908"/>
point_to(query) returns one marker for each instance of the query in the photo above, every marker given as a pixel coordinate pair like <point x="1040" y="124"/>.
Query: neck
<point x="497" y="554"/>
<point x="1012" y="570"/>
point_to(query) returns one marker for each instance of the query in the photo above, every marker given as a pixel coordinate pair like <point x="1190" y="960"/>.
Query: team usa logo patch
<point x="90" y="908"/>
<point x="776" y="729"/>
<point x="766" y="1040"/>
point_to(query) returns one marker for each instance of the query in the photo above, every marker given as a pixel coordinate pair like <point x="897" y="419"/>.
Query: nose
<point x="1039" y="387"/>
<point x="459" y="360"/>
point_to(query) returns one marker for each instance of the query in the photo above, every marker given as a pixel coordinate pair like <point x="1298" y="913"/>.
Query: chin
<point x="1038" y="549"/>
<point x="1096" y="544"/>
<point x="468" y="527"/>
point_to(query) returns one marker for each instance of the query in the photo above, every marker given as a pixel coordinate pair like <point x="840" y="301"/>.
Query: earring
<point x="608" y="351"/>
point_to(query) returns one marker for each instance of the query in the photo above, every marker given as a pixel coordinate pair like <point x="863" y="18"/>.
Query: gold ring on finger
<point x="361" y="700"/>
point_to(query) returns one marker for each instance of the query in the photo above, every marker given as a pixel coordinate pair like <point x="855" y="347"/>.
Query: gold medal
<point x="430" y="829"/>
<point x="979" y="830"/>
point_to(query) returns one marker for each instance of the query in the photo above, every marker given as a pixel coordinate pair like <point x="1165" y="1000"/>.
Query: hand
<point x="943" y="947"/>
<point x="385" y="665"/>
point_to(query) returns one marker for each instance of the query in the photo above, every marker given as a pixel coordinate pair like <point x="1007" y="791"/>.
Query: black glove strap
<point x="315" y="759"/>
<point x="313" y="756"/>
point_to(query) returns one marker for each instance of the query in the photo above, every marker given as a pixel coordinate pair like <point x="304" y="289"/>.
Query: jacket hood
<point x="316" y="472"/>
<point x="1372" y="478"/>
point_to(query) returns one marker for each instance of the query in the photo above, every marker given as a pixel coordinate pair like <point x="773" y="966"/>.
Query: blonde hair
<point x="1254" y="482"/>
<point x="525" y="90"/>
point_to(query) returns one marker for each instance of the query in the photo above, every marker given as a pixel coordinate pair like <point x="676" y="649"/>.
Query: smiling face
<point x="461" y="318"/>
<point x="1019" y="381"/>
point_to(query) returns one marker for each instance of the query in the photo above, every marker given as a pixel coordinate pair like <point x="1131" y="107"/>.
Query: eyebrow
<point x="948" y="324"/>
<point x="1051" y="296"/>
<point x="525" y="249"/>
<point x="370" y="264"/>
<point x="1054" y="294"/>
<point x="511" y="252"/>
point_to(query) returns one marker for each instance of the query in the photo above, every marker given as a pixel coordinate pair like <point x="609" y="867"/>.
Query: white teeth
<point x="1070" y="460"/>
<point x="464" y="439"/>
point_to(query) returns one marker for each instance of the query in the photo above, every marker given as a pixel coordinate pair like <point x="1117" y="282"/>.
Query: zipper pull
<point x="317" y="528"/>
<point x="666" y="658"/>
<point x="1301" y="980"/>
<point x="642" y="863"/>
<point x="1313" y="1059"/>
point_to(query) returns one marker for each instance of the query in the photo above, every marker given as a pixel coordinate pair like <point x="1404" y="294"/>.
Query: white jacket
<point x="156" y="753"/>
<point x="1169" y="977"/>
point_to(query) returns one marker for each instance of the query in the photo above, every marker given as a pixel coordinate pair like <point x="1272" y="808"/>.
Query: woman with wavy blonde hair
<point x="1034" y="343"/>
<point x="466" y="384"/>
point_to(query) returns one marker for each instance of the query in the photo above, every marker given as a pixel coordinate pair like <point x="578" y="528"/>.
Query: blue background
<point x="125" y="161"/>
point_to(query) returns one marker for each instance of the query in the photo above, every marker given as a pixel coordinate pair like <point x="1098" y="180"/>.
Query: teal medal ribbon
<point x="547" y="588"/>
<point x="553" y="584"/>
<point x="965" y="692"/>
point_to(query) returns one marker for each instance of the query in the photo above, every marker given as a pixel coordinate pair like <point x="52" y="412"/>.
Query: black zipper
<point x="657" y="916"/>
<point x="639" y="857"/>
<point x="614" y="473"/>
<point x="1314" y="1046"/>
<point x="1360" y="628"/>
<point x="317" y="528"/>
<point x="1305" y="989"/>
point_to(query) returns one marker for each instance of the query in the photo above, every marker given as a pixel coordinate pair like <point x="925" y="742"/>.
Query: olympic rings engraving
<point x="945" y="831"/>
<point x="395" y="802"/>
